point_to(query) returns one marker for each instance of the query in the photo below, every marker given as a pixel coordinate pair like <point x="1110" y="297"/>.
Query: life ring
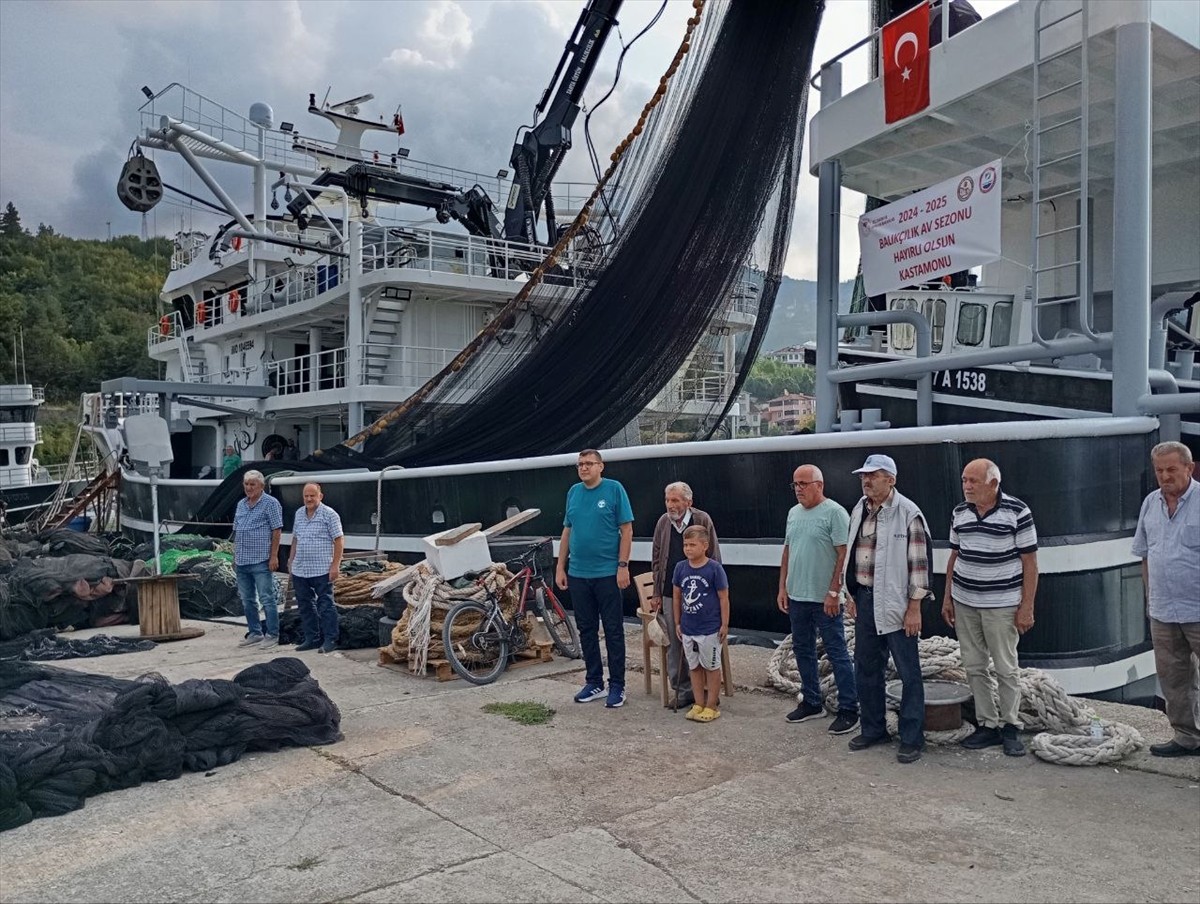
<point x="235" y="299"/>
<point x="201" y="312"/>
<point x="237" y="243"/>
<point x="164" y="325"/>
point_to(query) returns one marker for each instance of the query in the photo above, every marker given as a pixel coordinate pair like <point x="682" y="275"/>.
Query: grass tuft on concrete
<point x="305" y="863"/>
<point x="526" y="712"/>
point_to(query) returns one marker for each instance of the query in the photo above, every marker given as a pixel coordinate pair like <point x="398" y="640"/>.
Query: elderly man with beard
<point x="666" y="553"/>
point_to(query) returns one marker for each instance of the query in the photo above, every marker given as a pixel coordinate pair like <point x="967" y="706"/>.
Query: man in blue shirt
<point x="257" y="523"/>
<point x="314" y="563"/>
<point x="1168" y="542"/>
<point x="593" y="562"/>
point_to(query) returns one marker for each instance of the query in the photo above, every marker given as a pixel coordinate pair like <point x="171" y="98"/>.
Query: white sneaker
<point x="251" y="640"/>
<point x="269" y="643"/>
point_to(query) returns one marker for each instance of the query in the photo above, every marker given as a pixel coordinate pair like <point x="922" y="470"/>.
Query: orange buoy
<point x="237" y="243"/>
<point x="201" y="312"/>
<point x="235" y="299"/>
<point x="164" y="325"/>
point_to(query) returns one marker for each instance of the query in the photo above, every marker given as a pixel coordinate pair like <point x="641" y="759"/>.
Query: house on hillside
<point x="791" y="354"/>
<point x="789" y="411"/>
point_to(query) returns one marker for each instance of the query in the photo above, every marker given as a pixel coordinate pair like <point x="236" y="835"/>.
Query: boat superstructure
<point x="1091" y="110"/>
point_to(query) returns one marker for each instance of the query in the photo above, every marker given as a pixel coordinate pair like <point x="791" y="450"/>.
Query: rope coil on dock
<point x="1063" y="723"/>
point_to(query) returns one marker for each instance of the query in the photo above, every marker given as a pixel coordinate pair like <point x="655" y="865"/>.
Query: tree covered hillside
<point x="82" y="306"/>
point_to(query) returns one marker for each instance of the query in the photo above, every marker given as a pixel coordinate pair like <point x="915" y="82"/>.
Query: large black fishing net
<point x="691" y="232"/>
<point x="358" y="627"/>
<point x="67" y="735"/>
<point x="75" y="590"/>
<point x="45" y="645"/>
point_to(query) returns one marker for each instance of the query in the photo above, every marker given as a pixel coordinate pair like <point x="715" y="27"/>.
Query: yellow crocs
<point x="694" y="712"/>
<point x="707" y="715"/>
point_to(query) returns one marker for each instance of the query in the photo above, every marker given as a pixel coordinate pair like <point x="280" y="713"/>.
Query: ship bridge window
<point x="3" y="458"/>
<point x="902" y="336"/>
<point x="935" y="312"/>
<point x="18" y="414"/>
<point x="972" y="324"/>
<point x="24" y="453"/>
<point x="1001" y="323"/>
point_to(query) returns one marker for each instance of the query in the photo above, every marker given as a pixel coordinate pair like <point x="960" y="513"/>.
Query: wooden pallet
<point x="441" y="670"/>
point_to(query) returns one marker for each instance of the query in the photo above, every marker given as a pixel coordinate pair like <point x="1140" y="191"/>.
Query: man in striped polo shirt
<point x="991" y="580"/>
<point x="314" y="564"/>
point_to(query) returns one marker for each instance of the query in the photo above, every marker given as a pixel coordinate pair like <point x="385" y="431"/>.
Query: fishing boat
<point x="1079" y="299"/>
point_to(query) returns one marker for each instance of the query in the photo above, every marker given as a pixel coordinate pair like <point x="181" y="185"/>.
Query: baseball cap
<point x="877" y="462"/>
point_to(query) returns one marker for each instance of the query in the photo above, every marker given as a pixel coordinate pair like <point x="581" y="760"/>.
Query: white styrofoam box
<point x="469" y="554"/>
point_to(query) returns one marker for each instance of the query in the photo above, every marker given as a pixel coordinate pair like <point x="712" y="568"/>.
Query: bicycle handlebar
<point x="528" y="557"/>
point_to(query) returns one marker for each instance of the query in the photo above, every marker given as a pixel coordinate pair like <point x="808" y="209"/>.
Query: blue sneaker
<point x="616" y="696"/>
<point x="589" y="693"/>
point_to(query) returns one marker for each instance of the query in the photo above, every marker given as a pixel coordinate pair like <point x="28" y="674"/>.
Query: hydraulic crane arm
<point x="538" y="154"/>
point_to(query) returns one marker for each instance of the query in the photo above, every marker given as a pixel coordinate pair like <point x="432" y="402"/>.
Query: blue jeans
<point x="807" y="619"/>
<point x="318" y="616"/>
<point x="870" y="663"/>
<point x="597" y="600"/>
<point x="256" y="585"/>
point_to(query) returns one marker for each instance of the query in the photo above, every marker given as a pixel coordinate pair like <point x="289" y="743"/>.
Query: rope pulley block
<point x="139" y="186"/>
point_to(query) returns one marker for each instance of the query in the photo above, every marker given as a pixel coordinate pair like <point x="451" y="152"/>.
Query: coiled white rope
<point x="1063" y="722"/>
<point x="430" y="591"/>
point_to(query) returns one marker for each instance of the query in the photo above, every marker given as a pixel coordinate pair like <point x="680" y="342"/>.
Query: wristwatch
<point x="622" y="564"/>
<point x="831" y="593"/>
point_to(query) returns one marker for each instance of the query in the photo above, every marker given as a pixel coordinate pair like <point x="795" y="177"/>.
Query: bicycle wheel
<point x="476" y="645"/>
<point x="559" y="624"/>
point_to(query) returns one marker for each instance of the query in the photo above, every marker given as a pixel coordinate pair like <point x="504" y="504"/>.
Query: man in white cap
<point x="887" y="577"/>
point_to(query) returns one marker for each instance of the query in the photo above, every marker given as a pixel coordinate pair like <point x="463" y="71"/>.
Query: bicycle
<point x="479" y="638"/>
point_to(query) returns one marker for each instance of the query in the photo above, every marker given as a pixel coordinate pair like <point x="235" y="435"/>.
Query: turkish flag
<point x="906" y="64"/>
<point x="398" y="121"/>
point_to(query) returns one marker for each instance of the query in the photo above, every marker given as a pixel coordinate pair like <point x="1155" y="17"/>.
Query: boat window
<point x="972" y="322"/>
<point x="1001" y="323"/>
<point x="18" y="414"/>
<point x="938" y="325"/>
<point x="902" y="336"/>
<point x="3" y="458"/>
<point x="23" y="454"/>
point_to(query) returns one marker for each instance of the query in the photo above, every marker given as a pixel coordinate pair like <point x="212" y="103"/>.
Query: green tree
<point x="769" y="379"/>
<point x="10" y="223"/>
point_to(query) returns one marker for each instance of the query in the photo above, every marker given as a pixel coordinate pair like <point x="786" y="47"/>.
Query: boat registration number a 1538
<point x="973" y="381"/>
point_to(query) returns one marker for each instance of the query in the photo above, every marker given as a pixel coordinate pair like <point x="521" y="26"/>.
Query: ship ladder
<point x="1059" y="169"/>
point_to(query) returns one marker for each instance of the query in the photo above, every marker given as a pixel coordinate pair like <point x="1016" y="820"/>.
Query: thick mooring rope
<point x="430" y="597"/>
<point x="1063" y="722"/>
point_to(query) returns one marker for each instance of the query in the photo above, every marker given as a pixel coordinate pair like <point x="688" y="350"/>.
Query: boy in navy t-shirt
<point x="701" y="620"/>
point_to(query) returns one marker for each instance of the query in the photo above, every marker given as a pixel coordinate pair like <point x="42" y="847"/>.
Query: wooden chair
<point x="645" y="590"/>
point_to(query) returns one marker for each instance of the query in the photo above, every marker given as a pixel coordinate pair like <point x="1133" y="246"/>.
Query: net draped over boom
<point x="698" y="205"/>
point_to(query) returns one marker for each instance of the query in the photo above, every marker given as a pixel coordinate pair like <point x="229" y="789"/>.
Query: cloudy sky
<point x="467" y="73"/>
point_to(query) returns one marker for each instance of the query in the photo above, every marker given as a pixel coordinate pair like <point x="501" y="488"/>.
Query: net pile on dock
<point x="66" y="735"/>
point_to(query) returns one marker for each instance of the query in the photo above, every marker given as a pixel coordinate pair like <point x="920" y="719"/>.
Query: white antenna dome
<point x="262" y="115"/>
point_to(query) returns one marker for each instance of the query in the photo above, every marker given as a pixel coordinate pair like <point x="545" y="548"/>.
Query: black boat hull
<point x="1085" y="487"/>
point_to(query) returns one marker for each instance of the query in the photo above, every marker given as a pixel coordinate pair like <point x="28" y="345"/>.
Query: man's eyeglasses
<point x="587" y="464"/>
<point x="801" y="484"/>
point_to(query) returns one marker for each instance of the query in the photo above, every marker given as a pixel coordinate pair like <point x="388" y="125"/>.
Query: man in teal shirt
<point x="810" y="594"/>
<point x="232" y="461"/>
<point x="593" y="563"/>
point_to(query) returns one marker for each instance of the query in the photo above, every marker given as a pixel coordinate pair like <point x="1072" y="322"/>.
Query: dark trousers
<point x="807" y="620"/>
<point x="318" y="616"/>
<point x="870" y="664"/>
<point x="596" y="601"/>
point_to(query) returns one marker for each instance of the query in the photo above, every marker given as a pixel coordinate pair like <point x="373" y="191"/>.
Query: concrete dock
<point x="430" y="799"/>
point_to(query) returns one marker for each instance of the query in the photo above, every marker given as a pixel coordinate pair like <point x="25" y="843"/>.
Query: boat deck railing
<point x="404" y="367"/>
<point x="21" y="392"/>
<point x="20" y="433"/>
<point x="415" y="255"/>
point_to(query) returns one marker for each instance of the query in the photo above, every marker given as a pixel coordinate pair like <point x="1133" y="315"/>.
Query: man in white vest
<point x="887" y="578"/>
